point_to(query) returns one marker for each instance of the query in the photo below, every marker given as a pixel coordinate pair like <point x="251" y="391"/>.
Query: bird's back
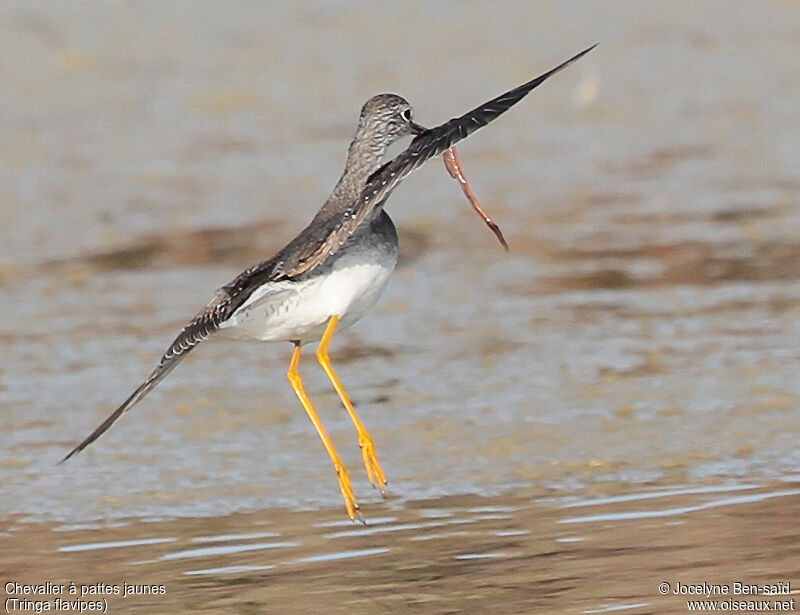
<point x="347" y="285"/>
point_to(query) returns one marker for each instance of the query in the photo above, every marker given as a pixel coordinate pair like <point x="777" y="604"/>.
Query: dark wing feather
<point x="207" y="321"/>
<point x="380" y="184"/>
<point x="204" y="324"/>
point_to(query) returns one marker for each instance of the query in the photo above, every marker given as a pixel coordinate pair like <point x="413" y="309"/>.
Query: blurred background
<point x="640" y="341"/>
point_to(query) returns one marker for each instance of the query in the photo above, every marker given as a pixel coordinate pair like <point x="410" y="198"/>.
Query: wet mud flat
<point x="517" y="553"/>
<point x="619" y="395"/>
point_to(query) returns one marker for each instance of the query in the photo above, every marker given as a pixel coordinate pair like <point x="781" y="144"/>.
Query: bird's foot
<point x="374" y="471"/>
<point x="348" y="495"/>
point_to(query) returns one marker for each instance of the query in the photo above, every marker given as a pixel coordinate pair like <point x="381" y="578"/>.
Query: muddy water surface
<point x="612" y="405"/>
<point x="510" y="554"/>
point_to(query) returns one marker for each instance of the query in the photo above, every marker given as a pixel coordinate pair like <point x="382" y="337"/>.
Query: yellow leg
<point x="374" y="471"/>
<point x="293" y="376"/>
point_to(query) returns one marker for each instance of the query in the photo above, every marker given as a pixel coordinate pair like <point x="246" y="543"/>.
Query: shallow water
<point x="641" y="337"/>
<point x="510" y="554"/>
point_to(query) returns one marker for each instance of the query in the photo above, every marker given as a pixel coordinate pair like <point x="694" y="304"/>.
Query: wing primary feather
<point x="201" y="326"/>
<point x="434" y="141"/>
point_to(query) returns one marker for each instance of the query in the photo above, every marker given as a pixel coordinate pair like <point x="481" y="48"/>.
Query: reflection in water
<point x="581" y="503"/>
<point x="227" y="550"/>
<point x="231" y="537"/>
<point x="373" y="521"/>
<point x="480" y="555"/>
<point x="338" y="555"/>
<point x="616" y="608"/>
<point x="670" y="512"/>
<point x="228" y="570"/>
<point x="462" y="560"/>
<point x="115" y="544"/>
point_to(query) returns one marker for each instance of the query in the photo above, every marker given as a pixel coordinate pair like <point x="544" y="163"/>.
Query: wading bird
<point x="332" y="273"/>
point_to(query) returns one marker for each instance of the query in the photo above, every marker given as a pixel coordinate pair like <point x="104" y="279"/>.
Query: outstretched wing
<point x="204" y="324"/>
<point x="380" y="184"/>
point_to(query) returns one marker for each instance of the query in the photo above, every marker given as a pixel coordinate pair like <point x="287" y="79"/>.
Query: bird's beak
<point x="416" y="129"/>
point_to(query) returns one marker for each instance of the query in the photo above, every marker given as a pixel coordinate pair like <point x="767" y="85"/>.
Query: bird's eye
<point x="406" y="114"/>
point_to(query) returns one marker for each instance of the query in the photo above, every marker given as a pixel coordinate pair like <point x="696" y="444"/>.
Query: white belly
<point x="299" y="311"/>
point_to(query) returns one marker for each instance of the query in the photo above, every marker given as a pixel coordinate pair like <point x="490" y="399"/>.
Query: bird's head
<point x="387" y="117"/>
